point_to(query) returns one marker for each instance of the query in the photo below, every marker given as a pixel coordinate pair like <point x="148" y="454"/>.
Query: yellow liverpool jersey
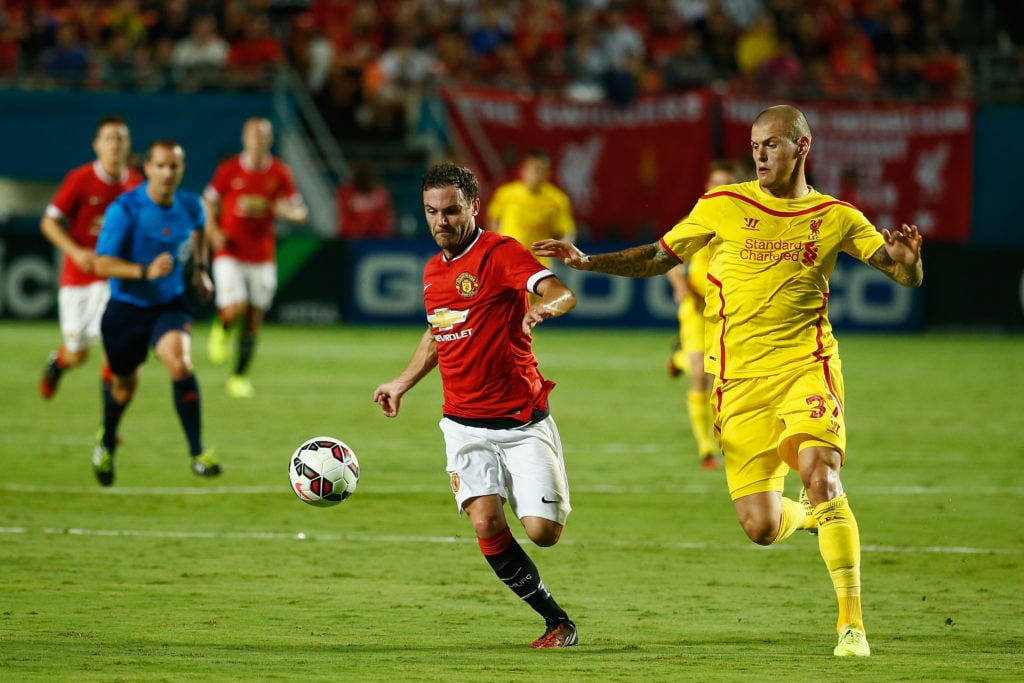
<point x="530" y="216"/>
<point x="767" y="278"/>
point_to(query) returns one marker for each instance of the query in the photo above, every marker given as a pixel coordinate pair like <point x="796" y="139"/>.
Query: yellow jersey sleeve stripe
<point x="664" y="245"/>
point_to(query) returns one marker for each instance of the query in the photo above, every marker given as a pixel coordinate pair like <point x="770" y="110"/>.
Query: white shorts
<point x="524" y="466"/>
<point x="237" y="282"/>
<point x="81" y="310"/>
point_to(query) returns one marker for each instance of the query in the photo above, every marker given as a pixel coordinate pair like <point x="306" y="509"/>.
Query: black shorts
<point x="129" y="330"/>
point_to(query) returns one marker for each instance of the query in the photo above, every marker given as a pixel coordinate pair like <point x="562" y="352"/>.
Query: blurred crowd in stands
<point x="139" y="45"/>
<point x="367" y="61"/>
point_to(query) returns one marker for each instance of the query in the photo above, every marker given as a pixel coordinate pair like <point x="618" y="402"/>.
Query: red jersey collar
<point x="479" y="231"/>
<point x="97" y="168"/>
<point x="249" y="167"/>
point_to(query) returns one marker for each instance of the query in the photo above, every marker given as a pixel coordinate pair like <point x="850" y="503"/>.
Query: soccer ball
<point x="323" y="471"/>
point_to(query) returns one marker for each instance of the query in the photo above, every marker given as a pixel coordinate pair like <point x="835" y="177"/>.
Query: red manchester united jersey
<point x="247" y="195"/>
<point x="475" y="304"/>
<point x="80" y="203"/>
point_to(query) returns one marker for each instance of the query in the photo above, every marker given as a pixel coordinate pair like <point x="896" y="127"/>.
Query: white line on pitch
<point x="364" y="538"/>
<point x="596" y="488"/>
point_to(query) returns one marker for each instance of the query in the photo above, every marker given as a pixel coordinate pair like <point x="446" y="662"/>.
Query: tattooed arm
<point x="646" y="260"/>
<point x="900" y="257"/>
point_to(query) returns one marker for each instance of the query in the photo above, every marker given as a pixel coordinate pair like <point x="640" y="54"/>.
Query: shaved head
<point x="780" y="141"/>
<point x="789" y="119"/>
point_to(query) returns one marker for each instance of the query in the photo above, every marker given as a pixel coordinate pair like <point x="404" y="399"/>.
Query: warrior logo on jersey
<point x="467" y="285"/>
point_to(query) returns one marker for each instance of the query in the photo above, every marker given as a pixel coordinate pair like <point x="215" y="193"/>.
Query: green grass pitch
<point x="167" y="577"/>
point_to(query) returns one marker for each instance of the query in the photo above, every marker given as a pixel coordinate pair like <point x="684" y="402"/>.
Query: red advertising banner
<point x="898" y="163"/>
<point x="630" y="172"/>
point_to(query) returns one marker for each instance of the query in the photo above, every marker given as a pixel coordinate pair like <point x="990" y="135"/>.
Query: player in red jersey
<point x="247" y="193"/>
<point x="501" y="441"/>
<point x="72" y="222"/>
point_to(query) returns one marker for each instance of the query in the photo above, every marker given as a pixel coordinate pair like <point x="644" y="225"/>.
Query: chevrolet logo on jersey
<point x="445" y="318"/>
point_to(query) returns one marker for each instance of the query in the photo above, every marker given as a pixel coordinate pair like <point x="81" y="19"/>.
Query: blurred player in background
<point x="532" y="208"/>
<point x="779" y="387"/>
<point x="247" y="193"/>
<point x="365" y="207"/>
<point x="501" y="441"/>
<point x="688" y="282"/>
<point x="146" y="234"/>
<point x="72" y="223"/>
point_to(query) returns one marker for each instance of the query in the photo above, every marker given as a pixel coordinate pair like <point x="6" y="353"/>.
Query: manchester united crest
<point x="467" y="284"/>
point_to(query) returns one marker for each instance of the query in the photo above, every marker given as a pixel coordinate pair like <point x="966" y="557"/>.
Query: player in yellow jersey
<point x="687" y="281"/>
<point x="532" y="208"/>
<point x="779" y="401"/>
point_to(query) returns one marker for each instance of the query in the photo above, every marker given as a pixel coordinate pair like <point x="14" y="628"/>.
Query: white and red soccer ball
<point x="323" y="471"/>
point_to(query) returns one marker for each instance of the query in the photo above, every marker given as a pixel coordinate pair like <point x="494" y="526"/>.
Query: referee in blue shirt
<point x="147" y="235"/>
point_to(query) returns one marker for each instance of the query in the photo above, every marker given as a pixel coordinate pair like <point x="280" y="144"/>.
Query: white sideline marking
<point x="363" y="538"/>
<point x="718" y="487"/>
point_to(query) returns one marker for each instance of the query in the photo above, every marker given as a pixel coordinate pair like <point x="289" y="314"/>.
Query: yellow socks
<point x="839" y="544"/>
<point x="793" y="517"/>
<point x="698" y="407"/>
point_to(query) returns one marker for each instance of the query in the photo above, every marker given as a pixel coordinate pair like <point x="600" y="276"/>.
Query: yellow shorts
<point x="762" y="421"/>
<point x="691" y="327"/>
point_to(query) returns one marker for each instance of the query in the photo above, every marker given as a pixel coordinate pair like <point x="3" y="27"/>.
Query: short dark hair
<point x="110" y="119"/>
<point x="448" y="173"/>
<point x="166" y="143"/>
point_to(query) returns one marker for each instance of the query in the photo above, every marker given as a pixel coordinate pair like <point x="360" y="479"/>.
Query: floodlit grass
<point x="166" y="577"/>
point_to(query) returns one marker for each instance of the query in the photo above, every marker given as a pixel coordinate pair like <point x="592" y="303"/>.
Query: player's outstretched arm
<point x="424" y="359"/>
<point x="565" y="251"/>
<point x="556" y="299"/>
<point x="900" y="257"/>
<point x="645" y="260"/>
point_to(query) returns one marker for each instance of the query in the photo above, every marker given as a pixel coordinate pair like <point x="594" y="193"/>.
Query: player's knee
<point x="175" y="359"/>
<point x="821" y="489"/>
<point x="542" y="532"/>
<point x="822" y="483"/>
<point x="122" y="388"/>
<point x="489" y="526"/>
<point x="546" y="539"/>
<point x="232" y="312"/>
<point x="760" y="531"/>
<point x="178" y="369"/>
